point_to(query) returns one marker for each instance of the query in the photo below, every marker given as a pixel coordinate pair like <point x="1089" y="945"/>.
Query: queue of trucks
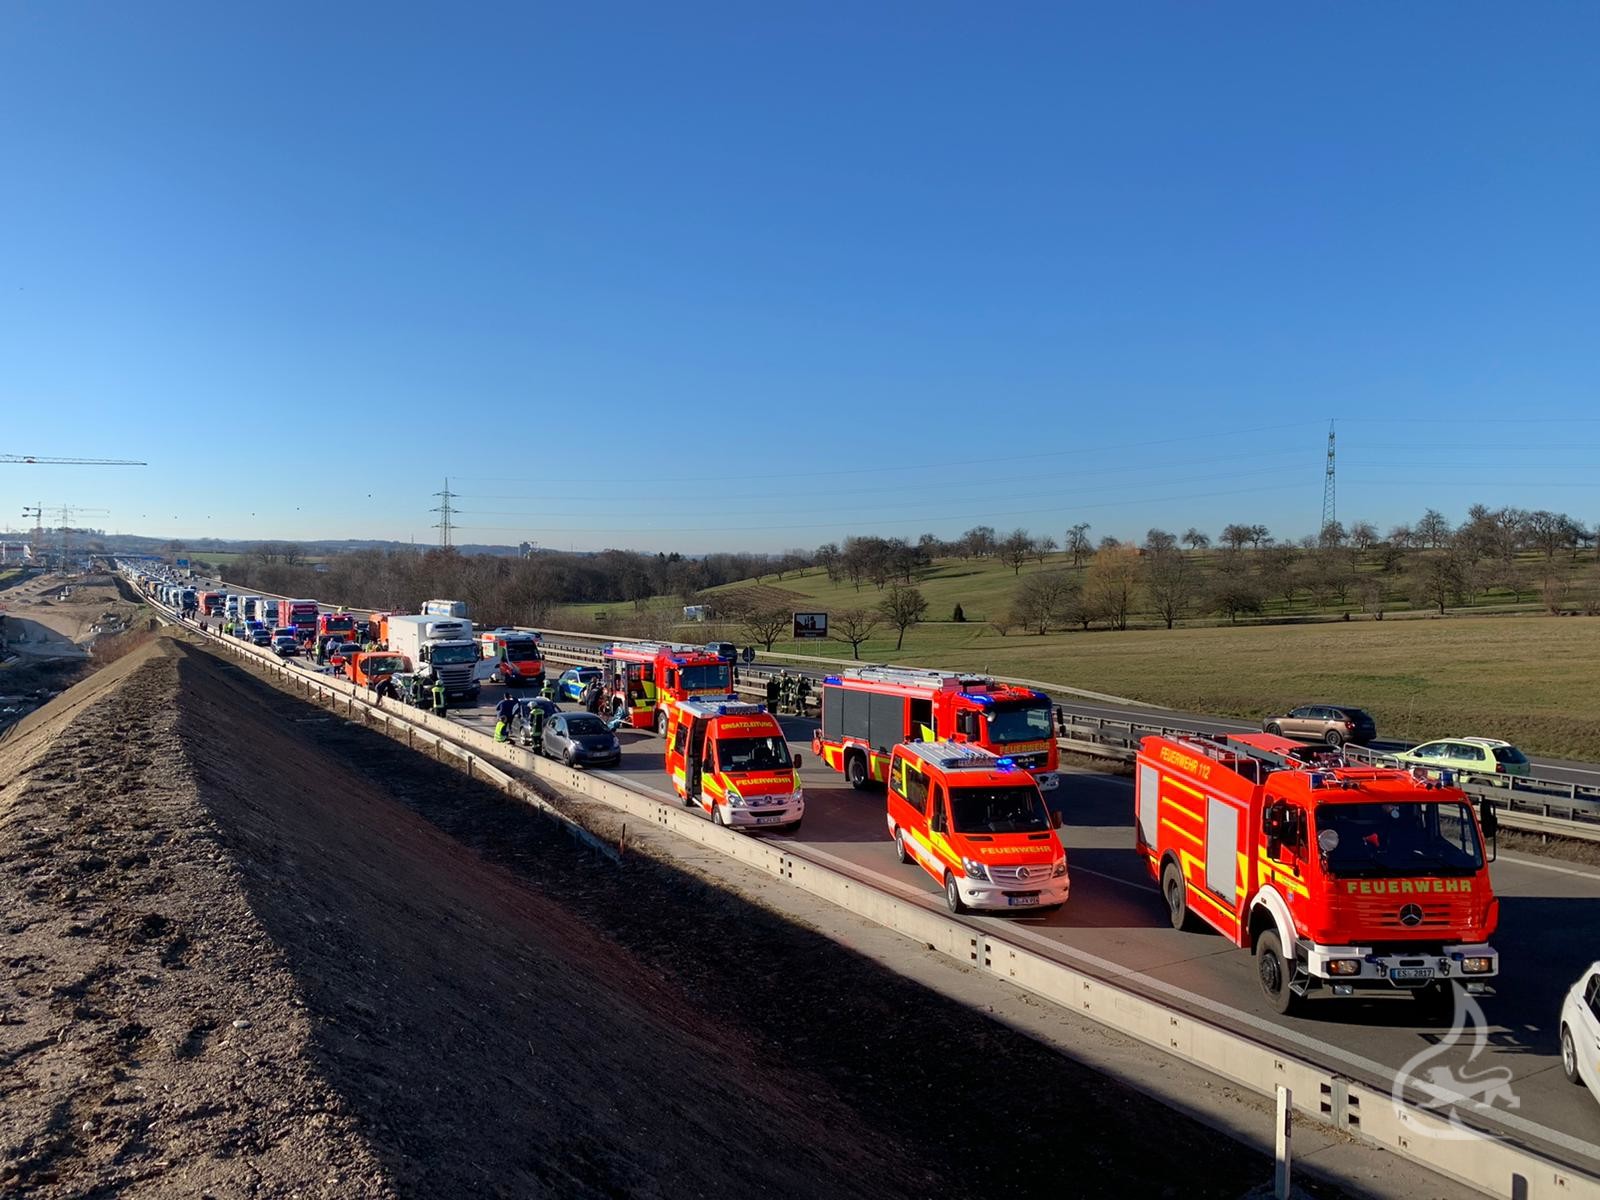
<point x="1340" y="879"/>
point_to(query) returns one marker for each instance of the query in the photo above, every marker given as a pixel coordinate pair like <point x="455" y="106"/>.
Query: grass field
<point x="1526" y="678"/>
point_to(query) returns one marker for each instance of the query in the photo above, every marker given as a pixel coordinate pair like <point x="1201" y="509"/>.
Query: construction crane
<point x="46" y="460"/>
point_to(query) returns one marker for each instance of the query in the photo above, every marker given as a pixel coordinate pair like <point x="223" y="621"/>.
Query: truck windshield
<point x="753" y="754"/>
<point x="449" y="656"/>
<point x="705" y="679"/>
<point x="383" y="664"/>
<point x="1019" y="723"/>
<point x="522" y="652"/>
<point x="339" y="625"/>
<point x="1018" y="809"/>
<point x="1398" y="839"/>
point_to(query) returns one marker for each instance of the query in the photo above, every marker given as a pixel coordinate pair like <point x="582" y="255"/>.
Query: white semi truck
<point x="443" y="643"/>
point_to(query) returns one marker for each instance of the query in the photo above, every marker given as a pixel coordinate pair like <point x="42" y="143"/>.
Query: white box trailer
<point x="445" y="643"/>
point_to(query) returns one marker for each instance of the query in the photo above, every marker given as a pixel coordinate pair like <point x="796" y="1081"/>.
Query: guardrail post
<point x="1283" y="1148"/>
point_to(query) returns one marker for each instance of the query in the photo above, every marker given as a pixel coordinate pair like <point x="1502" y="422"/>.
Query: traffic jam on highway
<point x="1336" y="877"/>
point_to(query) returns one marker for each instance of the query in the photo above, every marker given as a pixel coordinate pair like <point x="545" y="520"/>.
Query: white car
<point x="1580" y="1030"/>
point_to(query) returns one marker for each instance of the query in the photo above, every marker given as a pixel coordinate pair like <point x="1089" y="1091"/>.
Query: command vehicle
<point x="640" y="677"/>
<point x="369" y="668"/>
<point x="978" y="824"/>
<point x="513" y="658"/>
<point x="1339" y="878"/>
<point x="443" y="643"/>
<point x="341" y="625"/>
<point x="731" y="759"/>
<point x="445" y="608"/>
<point x="302" y="614"/>
<point x="867" y="711"/>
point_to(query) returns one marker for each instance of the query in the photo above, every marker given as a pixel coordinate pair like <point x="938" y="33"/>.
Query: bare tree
<point x="903" y="607"/>
<point x="1363" y="536"/>
<point x="1195" y="539"/>
<point x="1113" y="582"/>
<point x="1235" y="596"/>
<point x="1078" y="544"/>
<point x="1433" y="530"/>
<point x="1040" y="600"/>
<point x="1236" y="537"/>
<point x="765" y="623"/>
<point x="1016" y="549"/>
<point x="1043" y="548"/>
<point x="854" y="625"/>
<point x="1437" y="583"/>
<point x="1172" y="583"/>
<point x="1157" y="541"/>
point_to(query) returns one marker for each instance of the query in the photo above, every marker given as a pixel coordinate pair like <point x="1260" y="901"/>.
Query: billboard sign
<point x="810" y="625"/>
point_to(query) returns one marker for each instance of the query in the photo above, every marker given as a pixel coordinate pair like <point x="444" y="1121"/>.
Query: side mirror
<point x="798" y="762"/>
<point x="1490" y="823"/>
<point x="1055" y="818"/>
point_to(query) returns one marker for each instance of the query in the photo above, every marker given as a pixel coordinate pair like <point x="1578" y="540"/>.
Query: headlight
<point x="1476" y="966"/>
<point x="1344" y="966"/>
<point x="732" y="797"/>
<point x="1061" y="869"/>
<point x="975" y="869"/>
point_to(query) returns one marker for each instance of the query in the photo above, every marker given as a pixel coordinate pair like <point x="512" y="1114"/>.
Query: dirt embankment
<point x="254" y="950"/>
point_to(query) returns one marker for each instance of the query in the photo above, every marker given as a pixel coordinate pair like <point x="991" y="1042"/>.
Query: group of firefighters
<point x="788" y="693"/>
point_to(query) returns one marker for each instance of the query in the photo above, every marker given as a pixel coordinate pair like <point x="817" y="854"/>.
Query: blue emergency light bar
<point x="833" y="679"/>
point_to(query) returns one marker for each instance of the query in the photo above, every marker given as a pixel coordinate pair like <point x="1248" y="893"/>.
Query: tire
<point x="1334" y="738"/>
<point x="952" y="894"/>
<point x="1569" y="1057"/>
<point x="716" y="815"/>
<point x="1174" y="891"/>
<point x="902" y="855"/>
<point x="1274" y="973"/>
<point x="661" y="723"/>
<point x="568" y="760"/>
<point x="1275" y="729"/>
<point x="855" y="770"/>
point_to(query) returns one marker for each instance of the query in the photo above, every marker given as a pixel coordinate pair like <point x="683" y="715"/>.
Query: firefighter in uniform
<point x="438" y="697"/>
<point x="772" y="693"/>
<point x="536" y="728"/>
<point x="802" y="692"/>
<point x="786" y="701"/>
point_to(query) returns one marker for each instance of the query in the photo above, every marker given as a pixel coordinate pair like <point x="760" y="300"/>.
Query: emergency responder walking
<point x="772" y="693"/>
<point x="786" y="699"/>
<point x="438" y="697"/>
<point x="504" y="712"/>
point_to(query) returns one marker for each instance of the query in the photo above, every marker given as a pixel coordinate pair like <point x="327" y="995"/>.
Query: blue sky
<point x="740" y="277"/>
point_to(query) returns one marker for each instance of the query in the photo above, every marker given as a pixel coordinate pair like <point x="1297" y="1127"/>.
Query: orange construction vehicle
<point x="1339" y="878"/>
<point x="977" y="824"/>
<point x="867" y="711"/>
<point x="730" y="759"/>
<point x="378" y="628"/>
<point x="640" y="677"/>
<point x="369" y="668"/>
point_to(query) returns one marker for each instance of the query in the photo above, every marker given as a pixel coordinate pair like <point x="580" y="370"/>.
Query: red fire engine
<point x="867" y="711"/>
<point x="1337" y="877"/>
<point x="640" y="677"/>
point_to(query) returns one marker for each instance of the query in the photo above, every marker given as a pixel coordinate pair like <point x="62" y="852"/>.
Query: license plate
<point x="1021" y="901"/>
<point x="1411" y="974"/>
<point x="771" y="819"/>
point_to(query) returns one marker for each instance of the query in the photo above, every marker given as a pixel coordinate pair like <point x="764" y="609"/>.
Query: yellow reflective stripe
<point x="1195" y="792"/>
<point x="1190" y="813"/>
<point x="1181" y="831"/>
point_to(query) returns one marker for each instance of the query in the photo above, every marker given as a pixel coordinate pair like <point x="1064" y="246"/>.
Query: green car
<point x="1468" y="756"/>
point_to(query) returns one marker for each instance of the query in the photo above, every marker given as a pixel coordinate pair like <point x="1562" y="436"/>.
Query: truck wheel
<point x="1274" y="972"/>
<point x="1275" y="729"/>
<point x="900" y="852"/>
<point x="661" y="723"/>
<point x="855" y="770"/>
<point x="1569" y="1057"/>
<point x="1176" y="894"/>
<point x="952" y="894"/>
<point x="716" y="815"/>
<point x="1334" y="738"/>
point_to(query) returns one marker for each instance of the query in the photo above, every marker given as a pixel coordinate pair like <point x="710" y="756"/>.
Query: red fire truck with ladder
<point x="1338" y="878"/>
<point x="867" y="711"/>
<point x="640" y="677"/>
